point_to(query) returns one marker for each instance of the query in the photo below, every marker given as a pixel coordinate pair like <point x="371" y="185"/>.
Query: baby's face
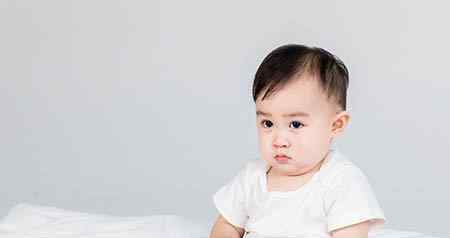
<point x="295" y="121"/>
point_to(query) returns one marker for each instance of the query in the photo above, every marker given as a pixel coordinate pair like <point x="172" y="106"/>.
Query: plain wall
<point x="144" y="107"/>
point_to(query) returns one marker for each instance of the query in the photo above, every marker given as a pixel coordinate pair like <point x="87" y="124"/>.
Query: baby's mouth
<point x="282" y="158"/>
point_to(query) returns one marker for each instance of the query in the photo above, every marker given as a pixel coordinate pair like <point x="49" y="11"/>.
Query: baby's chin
<point x="290" y="167"/>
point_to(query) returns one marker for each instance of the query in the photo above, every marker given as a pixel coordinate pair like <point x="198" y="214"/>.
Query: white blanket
<point x="31" y="221"/>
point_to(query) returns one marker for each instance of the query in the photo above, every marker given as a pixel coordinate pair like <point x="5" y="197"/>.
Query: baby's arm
<point x="223" y="229"/>
<point x="359" y="230"/>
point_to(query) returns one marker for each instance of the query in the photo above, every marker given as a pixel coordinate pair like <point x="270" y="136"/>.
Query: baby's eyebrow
<point x="293" y="114"/>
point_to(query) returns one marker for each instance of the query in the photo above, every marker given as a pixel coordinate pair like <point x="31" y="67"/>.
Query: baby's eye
<point x="266" y="123"/>
<point x="297" y="124"/>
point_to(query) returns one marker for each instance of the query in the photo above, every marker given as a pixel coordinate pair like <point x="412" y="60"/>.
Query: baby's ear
<point x="340" y="122"/>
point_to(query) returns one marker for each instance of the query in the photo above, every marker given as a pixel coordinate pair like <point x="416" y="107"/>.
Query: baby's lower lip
<point x="282" y="159"/>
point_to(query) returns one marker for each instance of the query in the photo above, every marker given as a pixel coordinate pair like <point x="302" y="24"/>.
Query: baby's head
<point x="300" y="95"/>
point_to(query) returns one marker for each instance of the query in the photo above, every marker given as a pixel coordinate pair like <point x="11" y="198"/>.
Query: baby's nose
<point x="280" y="141"/>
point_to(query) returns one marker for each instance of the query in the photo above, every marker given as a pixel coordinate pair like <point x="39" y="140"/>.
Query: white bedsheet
<point x="31" y="221"/>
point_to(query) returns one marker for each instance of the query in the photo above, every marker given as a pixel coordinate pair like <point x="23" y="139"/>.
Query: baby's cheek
<point x="263" y="141"/>
<point x="265" y="144"/>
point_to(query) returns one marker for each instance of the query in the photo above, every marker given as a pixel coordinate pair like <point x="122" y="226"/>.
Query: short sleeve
<point x="350" y="200"/>
<point x="230" y="200"/>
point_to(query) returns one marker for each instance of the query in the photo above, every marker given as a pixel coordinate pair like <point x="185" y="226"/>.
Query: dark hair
<point x="288" y="62"/>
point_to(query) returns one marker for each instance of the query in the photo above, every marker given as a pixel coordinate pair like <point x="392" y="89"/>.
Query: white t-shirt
<point x="338" y="195"/>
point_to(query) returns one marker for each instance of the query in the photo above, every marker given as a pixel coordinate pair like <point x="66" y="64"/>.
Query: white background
<point x="144" y="107"/>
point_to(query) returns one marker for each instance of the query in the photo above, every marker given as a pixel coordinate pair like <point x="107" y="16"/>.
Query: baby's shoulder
<point x="255" y="165"/>
<point x="253" y="170"/>
<point x="341" y="172"/>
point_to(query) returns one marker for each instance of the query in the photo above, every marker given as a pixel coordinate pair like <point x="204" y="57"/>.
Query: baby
<point x="302" y="186"/>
